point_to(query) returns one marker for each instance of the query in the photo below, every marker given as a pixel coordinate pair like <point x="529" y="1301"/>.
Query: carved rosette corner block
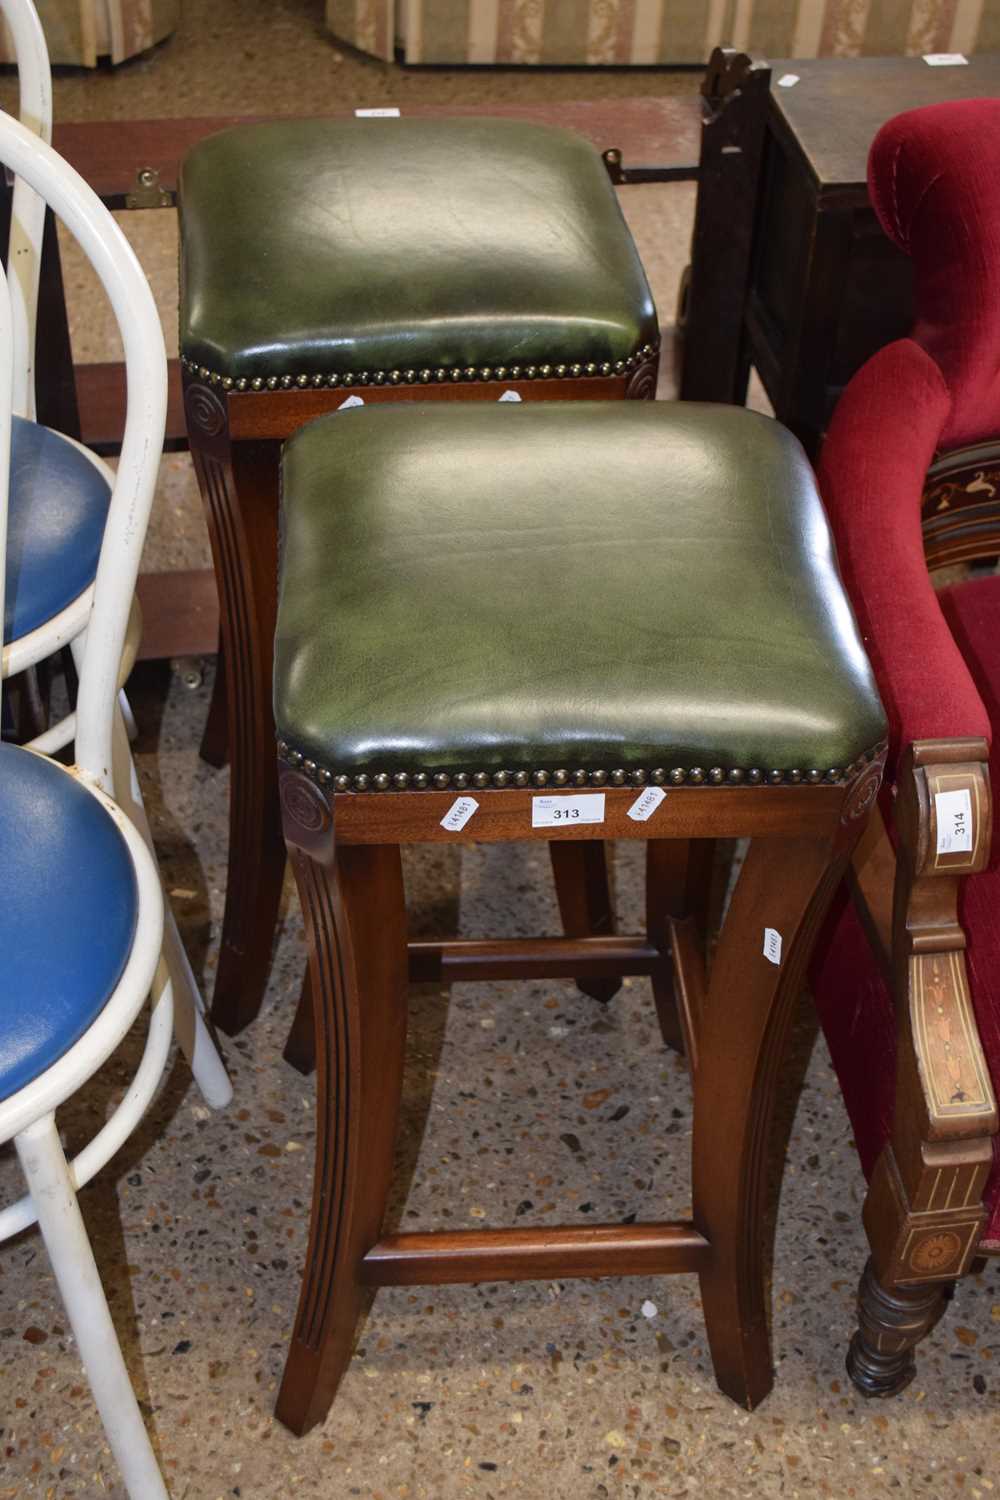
<point x="306" y="816"/>
<point x="205" y="410"/>
<point x="642" y="382"/>
<point x="861" y="798"/>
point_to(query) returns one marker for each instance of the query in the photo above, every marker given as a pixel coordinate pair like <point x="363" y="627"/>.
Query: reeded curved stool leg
<point x="239" y="485"/>
<point x="214" y="747"/>
<point x="678" y="888"/>
<point x="79" y="1283"/>
<point x="300" y="1047"/>
<point x="356" y="931"/>
<point x="583" y="889"/>
<point x="785" y="887"/>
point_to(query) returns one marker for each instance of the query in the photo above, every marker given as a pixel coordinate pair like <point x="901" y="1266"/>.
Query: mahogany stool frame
<point x="345" y="850"/>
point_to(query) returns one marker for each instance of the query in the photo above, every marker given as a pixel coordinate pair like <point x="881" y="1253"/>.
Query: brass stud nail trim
<point x="468" y="373"/>
<point x="617" y="776"/>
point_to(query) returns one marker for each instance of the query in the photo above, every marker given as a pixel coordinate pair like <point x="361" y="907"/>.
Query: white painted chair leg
<point x="192" y="1034"/>
<point x="131" y="726"/>
<point x="60" y="1221"/>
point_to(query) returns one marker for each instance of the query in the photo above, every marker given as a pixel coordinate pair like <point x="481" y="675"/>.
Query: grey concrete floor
<point x="525" y="1104"/>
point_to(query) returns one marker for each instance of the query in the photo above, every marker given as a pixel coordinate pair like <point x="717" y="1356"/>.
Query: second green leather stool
<point x="560" y="622"/>
<point x="328" y="262"/>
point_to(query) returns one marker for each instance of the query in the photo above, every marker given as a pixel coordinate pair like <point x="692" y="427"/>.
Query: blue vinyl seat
<point x="58" y="508"/>
<point x="68" y="910"/>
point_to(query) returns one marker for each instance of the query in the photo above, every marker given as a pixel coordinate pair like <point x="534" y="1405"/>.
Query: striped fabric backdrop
<point x="81" y="31"/>
<point x="659" y="31"/>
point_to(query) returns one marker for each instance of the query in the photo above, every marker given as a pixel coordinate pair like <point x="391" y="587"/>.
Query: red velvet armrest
<point x="881" y="442"/>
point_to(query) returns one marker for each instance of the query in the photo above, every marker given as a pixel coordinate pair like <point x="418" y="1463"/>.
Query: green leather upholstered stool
<point x="560" y="621"/>
<point x="326" y="262"/>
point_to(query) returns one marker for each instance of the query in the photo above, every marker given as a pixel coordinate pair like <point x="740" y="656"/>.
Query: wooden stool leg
<point x="300" y="1048"/>
<point x="784" y="886"/>
<point x="583" y="889"/>
<point x="678" y="889"/>
<point x="214" y="747"/>
<point x="239" y="483"/>
<point x="356" y="929"/>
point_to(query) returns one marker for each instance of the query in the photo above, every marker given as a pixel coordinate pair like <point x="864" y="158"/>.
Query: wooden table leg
<point x="716" y="361"/>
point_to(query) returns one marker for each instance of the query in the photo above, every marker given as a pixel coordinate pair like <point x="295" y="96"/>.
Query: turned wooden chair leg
<point x="783" y="888"/>
<point x="583" y="889"/>
<point x="678" y="892"/>
<point x="356" y="931"/>
<point x="240" y="485"/>
<point x="214" y="748"/>
<point x="891" y="1322"/>
<point x="924" y="1212"/>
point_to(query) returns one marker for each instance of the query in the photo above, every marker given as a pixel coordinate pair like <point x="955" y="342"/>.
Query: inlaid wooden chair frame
<point x="235" y="429"/>
<point x="345" y="848"/>
<point x="924" y="1211"/>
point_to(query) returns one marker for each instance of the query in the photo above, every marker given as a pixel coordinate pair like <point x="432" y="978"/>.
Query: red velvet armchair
<point x="907" y="976"/>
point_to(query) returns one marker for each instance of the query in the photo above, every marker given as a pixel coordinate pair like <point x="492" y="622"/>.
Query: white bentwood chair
<point x="58" y="505"/>
<point x="60" y="491"/>
<point x="82" y="938"/>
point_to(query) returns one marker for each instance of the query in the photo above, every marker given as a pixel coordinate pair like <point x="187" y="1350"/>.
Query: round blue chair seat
<point x="58" y="508"/>
<point x="68" y="910"/>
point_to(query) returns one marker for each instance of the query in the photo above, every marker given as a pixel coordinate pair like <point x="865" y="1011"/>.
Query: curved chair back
<point x="27" y="219"/>
<point x="114" y="262"/>
<point x="932" y="178"/>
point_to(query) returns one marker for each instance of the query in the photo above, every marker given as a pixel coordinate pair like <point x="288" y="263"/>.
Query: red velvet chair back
<point x="934" y="179"/>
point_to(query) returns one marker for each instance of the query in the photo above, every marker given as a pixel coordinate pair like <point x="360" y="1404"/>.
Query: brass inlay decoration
<point x="940" y="1252"/>
<point x="936" y="1252"/>
<point x="946" y="1037"/>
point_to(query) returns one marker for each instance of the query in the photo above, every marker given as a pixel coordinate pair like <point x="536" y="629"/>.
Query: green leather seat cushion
<point x="312" y="247"/>
<point x="572" y="586"/>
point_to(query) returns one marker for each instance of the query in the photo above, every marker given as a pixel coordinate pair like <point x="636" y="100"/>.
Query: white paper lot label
<point x="459" y="814"/>
<point x="945" y="59"/>
<point x="954" y="822"/>
<point x="645" y="806"/>
<point x="772" y="945"/>
<point x="567" y="812"/>
<point x="384" y="112"/>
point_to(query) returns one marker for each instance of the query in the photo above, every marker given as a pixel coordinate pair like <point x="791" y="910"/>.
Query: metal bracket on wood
<point x="147" y="192"/>
<point x="623" y="176"/>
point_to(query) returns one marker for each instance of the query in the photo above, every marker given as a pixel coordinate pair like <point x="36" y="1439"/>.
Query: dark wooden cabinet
<point x="812" y="286"/>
